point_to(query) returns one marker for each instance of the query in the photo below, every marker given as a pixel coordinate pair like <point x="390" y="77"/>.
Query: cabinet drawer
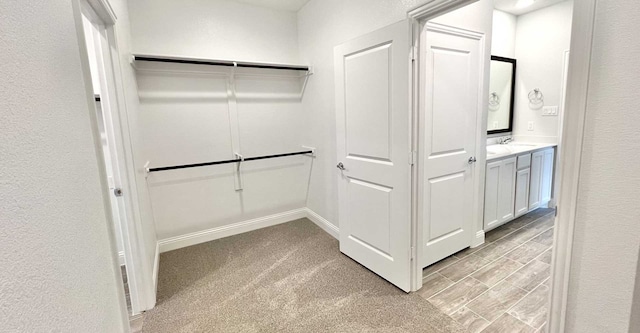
<point x="524" y="161"/>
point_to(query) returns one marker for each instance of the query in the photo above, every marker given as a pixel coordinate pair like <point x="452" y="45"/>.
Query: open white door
<point x="450" y="81"/>
<point x="373" y="138"/>
<point x="100" y="42"/>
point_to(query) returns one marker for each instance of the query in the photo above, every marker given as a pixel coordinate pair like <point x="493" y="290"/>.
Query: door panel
<point x="373" y="144"/>
<point x="536" y="176"/>
<point x="507" y="190"/>
<point x="367" y="81"/>
<point x="522" y="192"/>
<point x="547" y="176"/>
<point x="450" y="81"/>
<point x="492" y="180"/>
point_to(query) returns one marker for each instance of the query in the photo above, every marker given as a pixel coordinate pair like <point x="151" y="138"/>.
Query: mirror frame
<point x="512" y="97"/>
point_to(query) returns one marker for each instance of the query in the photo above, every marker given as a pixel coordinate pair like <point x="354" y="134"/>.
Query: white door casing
<point x="372" y="75"/>
<point x="451" y="82"/>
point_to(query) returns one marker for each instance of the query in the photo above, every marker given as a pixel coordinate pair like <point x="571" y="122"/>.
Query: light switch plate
<point x="530" y="126"/>
<point x="550" y="111"/>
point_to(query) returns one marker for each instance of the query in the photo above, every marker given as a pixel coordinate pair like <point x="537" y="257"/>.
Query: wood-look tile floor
<point x="502" y="285"/>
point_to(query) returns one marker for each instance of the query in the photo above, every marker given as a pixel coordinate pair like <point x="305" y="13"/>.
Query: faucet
<point x="504" y="140"/>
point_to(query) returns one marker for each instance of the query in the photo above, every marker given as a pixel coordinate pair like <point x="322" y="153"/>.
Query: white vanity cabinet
<point x="499" y="192"/>
<point x="516" y="184"/>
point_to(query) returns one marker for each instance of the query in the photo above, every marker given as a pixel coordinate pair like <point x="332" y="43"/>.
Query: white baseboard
<point x="204" y="236"/>
<point x="323" y="223"/>
<point x="121" y="258"/>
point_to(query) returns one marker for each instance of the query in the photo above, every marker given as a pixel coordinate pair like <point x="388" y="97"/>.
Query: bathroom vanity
<point x="519" y="179"/>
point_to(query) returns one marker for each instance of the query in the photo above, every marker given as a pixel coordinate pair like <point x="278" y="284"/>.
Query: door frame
<point x="142" y="292"/>
<point x="573" y="123"/>
<point x="418" y="17"/>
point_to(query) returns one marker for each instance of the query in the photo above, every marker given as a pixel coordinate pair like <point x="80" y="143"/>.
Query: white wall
<point x="184" y="118"/>
<point x="542" y="37"/>
<point x="57" y="257"/>
<point x="607" y="235"/>
<point x="213" y="29"/>
<point x="503" y="38"/>
<point x="323" y="24"/>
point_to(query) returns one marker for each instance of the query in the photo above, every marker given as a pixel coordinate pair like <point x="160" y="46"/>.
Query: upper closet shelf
<point x="138" y="59"/>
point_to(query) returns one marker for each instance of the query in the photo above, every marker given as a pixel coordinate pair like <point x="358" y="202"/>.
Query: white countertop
<point x="514" y="148"/>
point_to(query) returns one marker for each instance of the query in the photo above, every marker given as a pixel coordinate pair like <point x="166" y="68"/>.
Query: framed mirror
<point x="501" y="95"/>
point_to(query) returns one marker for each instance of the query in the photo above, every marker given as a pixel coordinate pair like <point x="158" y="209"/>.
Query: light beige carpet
<point x="286" y="278"/>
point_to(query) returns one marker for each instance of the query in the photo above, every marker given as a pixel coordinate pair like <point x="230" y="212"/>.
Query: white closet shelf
<point x="141" y="58"/>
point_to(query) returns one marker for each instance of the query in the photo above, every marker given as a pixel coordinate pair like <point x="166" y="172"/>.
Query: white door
<point x="506" y="192"/>
<point x="450" y="81"/>
<point x="104" y="68"/>
<point x="536" y="177"/>
<point x="373" y="143"/>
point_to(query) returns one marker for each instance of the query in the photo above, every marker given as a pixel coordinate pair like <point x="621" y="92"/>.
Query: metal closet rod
<point x="219" y="63"/>
<point x="185" y="166"/>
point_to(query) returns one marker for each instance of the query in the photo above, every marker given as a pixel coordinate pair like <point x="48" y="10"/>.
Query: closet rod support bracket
<point x="313" y="150"/>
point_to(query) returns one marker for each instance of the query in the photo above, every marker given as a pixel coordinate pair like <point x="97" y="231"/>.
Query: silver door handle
<point x="472" y="160"/>
<point x="340" y="166"/>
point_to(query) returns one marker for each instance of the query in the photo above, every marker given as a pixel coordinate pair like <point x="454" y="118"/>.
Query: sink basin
<point x="500" y="149"/>
<point x="517" y="144"/>
<point x="510" y="148"/>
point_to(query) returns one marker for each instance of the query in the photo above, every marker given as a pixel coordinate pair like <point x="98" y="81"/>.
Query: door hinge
<point x="412" y="157"/>
<point x="556" y="211"/>
<point x="414" y="52"/>
<point x="411" y="256"/>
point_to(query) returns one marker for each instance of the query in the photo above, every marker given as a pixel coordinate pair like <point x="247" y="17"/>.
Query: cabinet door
<point x="491" y="194"/>
<point x="522" y="192"/>
<point x="506" y="189"/>
<point x="547" y="176"/>
<point x="536" y="177"/>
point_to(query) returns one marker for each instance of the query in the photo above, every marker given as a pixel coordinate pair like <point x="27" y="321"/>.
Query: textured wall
<point x="214" y="29"/>
<point x="324" y="24"/>
<point x="58" y="271"/>
<point x="607" y="235"/>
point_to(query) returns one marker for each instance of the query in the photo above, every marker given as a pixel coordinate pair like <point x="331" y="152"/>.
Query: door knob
<point x="340" y="166"/>
<point x="472" y="160"/>
<point x="117" y="192"/>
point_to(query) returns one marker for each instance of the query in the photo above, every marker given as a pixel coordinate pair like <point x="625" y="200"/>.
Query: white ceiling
<point x="287" y="5"/>
<point x="513" y="7"/>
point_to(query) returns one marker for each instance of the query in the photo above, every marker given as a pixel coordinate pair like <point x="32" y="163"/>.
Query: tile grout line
<point x="491" y="262"/>
<point x="506" y="277"/>
<point x="525" y="296"/>
<point x="502" y="280"/>
<point x="495" y="240"/>
<point x="507" y="310"/>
